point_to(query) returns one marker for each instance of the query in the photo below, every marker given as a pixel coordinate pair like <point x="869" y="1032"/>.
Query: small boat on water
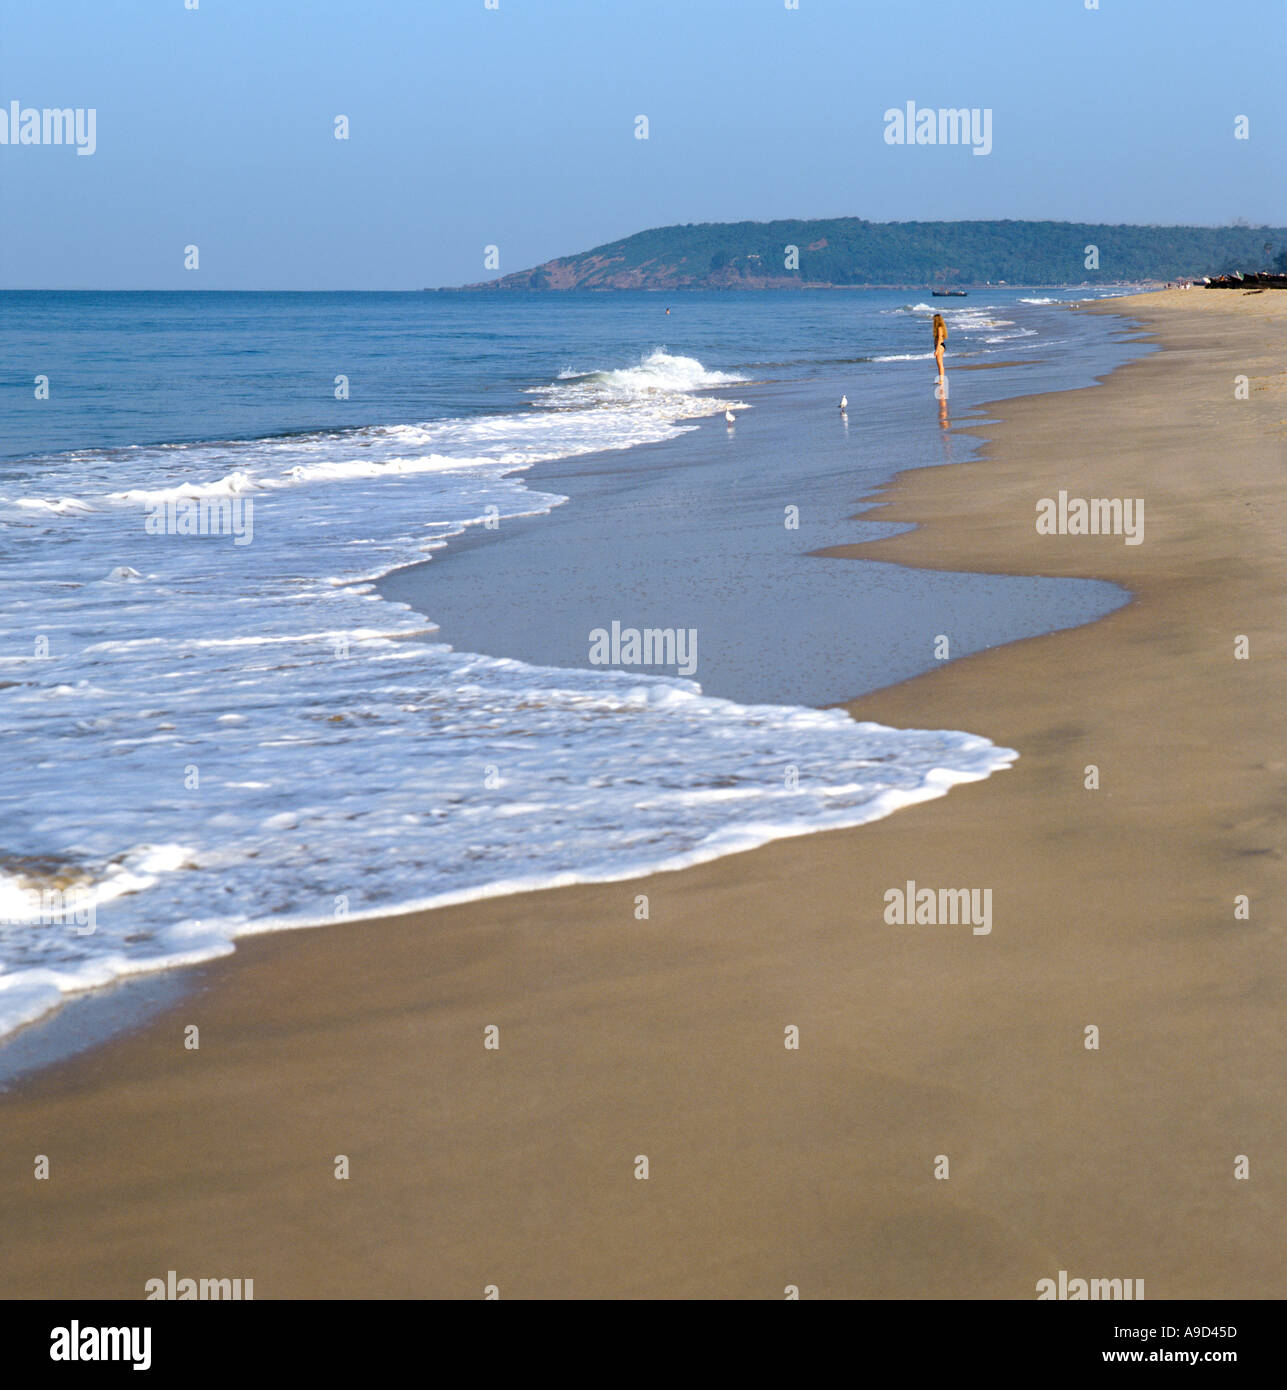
<point x="950" y="294"/>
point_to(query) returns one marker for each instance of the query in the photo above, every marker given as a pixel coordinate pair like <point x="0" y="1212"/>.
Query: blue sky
<point x="515" y="126"/>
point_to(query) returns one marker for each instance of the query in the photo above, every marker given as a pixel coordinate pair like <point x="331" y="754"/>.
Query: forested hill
<point x="849" y="251"/>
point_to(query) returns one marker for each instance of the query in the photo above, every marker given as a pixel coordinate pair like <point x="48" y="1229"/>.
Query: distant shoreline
<point x="853" y="253"/>
<point x="789" y="286"/>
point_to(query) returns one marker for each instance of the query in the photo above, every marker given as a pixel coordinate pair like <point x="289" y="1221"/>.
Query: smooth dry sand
<point x="664" y="1037"/>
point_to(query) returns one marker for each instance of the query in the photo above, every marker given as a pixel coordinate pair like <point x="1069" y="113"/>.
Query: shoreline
<point x="698" y="514"/>
<point x="787" y="415"/>
<point x="665" y="1037"/>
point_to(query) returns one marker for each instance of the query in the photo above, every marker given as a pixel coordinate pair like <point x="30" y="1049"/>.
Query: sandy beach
<point x="815" y="1167"/>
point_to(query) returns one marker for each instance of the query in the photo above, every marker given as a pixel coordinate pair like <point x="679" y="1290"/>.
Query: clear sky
<point x="515" y="126"/>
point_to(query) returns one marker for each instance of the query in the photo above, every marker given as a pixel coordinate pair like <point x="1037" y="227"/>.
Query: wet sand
<point x="664" y="1037"/>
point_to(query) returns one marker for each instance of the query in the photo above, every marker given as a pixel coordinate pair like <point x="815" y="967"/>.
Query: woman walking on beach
<point x="940" y="337"/>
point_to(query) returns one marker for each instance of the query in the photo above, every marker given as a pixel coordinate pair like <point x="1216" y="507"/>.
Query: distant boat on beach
<point x="1251" y="279"/>
<point x="950" y="294"/>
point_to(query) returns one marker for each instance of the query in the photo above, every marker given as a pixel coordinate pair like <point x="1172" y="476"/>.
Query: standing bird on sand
<point x="730" y="417"/>
<point x="844" y="403"/>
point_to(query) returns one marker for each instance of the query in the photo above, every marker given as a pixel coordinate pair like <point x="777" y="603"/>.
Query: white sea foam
<point x="659" y="370"/>
<point x="215" y="740"/>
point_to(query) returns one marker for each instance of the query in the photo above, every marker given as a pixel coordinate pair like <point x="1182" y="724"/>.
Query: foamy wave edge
<point x="27" y="996"/>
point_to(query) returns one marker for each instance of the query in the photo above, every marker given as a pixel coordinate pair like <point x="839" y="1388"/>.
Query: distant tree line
<point x="852" y="251"/>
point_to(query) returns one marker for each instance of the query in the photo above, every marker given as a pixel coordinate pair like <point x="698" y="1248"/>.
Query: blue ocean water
<point x="217" y="723"/>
